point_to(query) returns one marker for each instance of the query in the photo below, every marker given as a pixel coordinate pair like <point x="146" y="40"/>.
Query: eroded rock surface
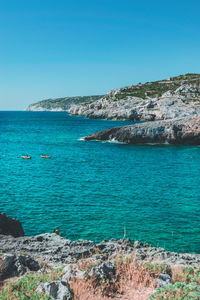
<point x="105" y="271"/>
<point x="121" y="104"/>
<point x="185" y="131"/>
<point x="16" y="265"/>
<point x="59" y="290"/>
<point x="57" y="250"/>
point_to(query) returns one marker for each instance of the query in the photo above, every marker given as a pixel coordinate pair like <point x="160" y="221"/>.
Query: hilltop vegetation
<point x="156" y="88"/>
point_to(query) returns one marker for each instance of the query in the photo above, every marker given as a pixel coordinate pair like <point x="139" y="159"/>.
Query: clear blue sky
<point x="55" y="48"/>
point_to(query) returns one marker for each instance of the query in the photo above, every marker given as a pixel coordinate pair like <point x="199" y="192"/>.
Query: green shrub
<point x="25" y="288"/>
<point x="179" y="290"/>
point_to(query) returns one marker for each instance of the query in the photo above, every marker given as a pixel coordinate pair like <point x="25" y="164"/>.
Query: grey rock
<point x="163" y="280"/>
<point x="185" y="131"/>
<point x="15" y="265"/>
<point x="103" y="272"/>
<point x="79" y="274"/>
<point x="10" y="226"/>
<point x="165" y="99"/>
<point x="56" y="289"/>
<point x="68" y="270"/>
<point x="136" y="109"/>
<point x="56" y="250"/>
<point x="72" y="272"/>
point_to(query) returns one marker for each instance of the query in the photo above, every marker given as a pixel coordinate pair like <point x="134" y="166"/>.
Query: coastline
<point x="48" y="265"/>
<point x="112" y="269"/>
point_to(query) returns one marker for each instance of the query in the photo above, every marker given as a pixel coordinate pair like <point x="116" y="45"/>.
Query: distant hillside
<point x="61" y="104"/>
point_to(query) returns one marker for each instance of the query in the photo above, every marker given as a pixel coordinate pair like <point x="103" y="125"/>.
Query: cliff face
<point x="60" y="104"/>
<point x="160" y="100"/>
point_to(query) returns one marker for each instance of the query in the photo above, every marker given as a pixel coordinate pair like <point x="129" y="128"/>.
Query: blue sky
<point x="57" y="48"/>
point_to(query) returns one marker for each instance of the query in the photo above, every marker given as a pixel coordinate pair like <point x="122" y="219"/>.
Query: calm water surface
<point x="93" y="189"/>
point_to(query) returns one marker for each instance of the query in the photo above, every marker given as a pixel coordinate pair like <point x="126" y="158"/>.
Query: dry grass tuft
<point x="131" y="281"/>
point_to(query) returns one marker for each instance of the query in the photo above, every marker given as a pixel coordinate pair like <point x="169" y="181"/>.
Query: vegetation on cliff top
<point x="156" y="88"/>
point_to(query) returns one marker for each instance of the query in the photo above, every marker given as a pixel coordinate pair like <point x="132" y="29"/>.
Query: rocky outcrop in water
<point x="10" y="226"/>
<point x="184" y="131"/>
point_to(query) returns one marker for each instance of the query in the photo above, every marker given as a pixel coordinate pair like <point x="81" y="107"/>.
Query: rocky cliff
<point x="61" y="104"/>
<point x="160" y="100"/>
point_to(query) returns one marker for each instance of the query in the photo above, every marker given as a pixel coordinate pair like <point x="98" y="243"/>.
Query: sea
<point x="97" y="190"/>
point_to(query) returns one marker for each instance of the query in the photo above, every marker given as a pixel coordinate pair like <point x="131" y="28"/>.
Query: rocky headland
<point x="185" y="131"/>
<point x="170" y="108"/>
<point x="176" y="97"/>
<point x="59" y="268"/>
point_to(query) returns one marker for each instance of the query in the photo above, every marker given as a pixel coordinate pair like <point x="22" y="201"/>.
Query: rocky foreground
<point x="57" y="250"/>
<point x="117" y="269"/>
<point x="185" y="131"/>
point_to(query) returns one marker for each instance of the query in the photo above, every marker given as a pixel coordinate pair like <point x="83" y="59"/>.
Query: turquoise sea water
<point x="93" y="189"/>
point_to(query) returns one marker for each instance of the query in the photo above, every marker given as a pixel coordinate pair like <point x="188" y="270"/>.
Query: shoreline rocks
<point x="83" y="262"/>
<point x="56" y="250"/>
<point x="184" y="131"/>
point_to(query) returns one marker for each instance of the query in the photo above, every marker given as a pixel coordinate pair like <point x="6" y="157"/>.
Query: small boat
<point x="26" y="156"/>
<point x="45" y="156"/>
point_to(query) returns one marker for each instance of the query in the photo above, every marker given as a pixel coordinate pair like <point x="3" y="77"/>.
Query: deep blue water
<point x="93" y="189"/>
